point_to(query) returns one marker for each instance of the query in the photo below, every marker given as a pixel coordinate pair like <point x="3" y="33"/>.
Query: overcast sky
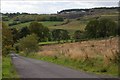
<point x="52" y="6"/>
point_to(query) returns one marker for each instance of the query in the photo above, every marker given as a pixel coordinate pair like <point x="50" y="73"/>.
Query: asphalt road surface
<point x="31" y="68"/>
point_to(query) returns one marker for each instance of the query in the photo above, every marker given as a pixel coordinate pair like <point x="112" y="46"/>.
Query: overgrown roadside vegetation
<point x="92" y="65"/>
<point x="97" y="56"/>
<point x="8" y="69"/>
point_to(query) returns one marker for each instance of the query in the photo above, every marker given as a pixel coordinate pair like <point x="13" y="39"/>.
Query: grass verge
<point x="8" y="70"/>
<point x="93" y="65"/>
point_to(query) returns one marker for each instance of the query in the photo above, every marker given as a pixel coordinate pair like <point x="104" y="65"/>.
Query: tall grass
<point x="97" y="56"/>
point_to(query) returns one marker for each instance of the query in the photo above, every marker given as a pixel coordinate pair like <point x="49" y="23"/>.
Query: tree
<point x="41" y="31"/>
<point x="7" y="39"/>
<point x="65" y="35"/>
<point x="23" y="32"/>
<point x="101" y="28"/>
<point x="56" y="34"/>
<point x="91" y="28"/>
<point x="14" y="32"/>
<point x="18" y="34"/>
<point x="60" y="34"/>
<point x="29" y="44"/>
<point x="77" y="35"/>
<point x="106" y="28"/>
<point x="45" y="34"/>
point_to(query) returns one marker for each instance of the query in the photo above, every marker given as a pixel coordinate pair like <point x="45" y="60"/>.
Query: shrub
<point x="29" y="44"/>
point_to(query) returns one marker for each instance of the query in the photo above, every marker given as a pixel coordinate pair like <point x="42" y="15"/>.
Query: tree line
<point x="27" y="38"/>
<point x="43" y="33"/>
<point x="29" y="18"/>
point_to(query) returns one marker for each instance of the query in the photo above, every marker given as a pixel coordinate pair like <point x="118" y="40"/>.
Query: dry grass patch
<point x="84" y="50"/>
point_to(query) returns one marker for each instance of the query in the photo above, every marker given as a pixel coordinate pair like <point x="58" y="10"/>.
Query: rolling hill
<point x="76" y="23"/>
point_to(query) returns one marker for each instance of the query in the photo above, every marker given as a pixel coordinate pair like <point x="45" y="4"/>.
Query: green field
<point x="47" y="43"/>
<point x="55" y="42"/>
<point x="45" y="23"/>
<point x="71" y="26"/>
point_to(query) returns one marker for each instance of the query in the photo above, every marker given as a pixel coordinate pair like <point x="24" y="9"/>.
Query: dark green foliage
<point x="70" y="10"/>
<point x="15" y="34"/>
<point x="106" y="28"/>
<point x="56" y="34"/>
<point x="41" y="31"/>
<point x="60" y="34"/>
<point x="77" y="35"/>
<point x="101" y="28"/>
<point x="65" y="35"/>
<point x="55" y="18"/>
<point x="23" y="32"/>
<point x="11" y="15"/>
<point x="49" y="18"/>
<point x="18" y="34"/>
<point x="27" y="18"/>
<point x="5" y="18"/>
<point x="91" y="29"/>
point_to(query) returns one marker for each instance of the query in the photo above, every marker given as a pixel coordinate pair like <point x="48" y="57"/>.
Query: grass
<point x="112" y="17"/>
<point x="71" y="27"/>
<point x="47" y="43"/>
<point x="8" y="70"/>
<point x="54" y="42"/>
<point x="93" y="65"/>
<point x="19" y="26"/>
<point x="45" y="23"/>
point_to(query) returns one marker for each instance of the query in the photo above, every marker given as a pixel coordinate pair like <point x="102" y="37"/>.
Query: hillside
<point x="75" y="13"/>
<point x="17" y="20"/>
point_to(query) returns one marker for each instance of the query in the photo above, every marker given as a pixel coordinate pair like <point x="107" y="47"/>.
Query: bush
<point x="29" y="44"/>
<point x="60" y="34"/>
<point x="6" y="50"/>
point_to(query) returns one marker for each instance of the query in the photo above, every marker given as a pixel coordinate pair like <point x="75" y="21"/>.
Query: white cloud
<point x="51" y="6"/>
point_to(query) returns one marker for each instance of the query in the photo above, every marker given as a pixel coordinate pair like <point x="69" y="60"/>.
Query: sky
<point x="52" y="6"/>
